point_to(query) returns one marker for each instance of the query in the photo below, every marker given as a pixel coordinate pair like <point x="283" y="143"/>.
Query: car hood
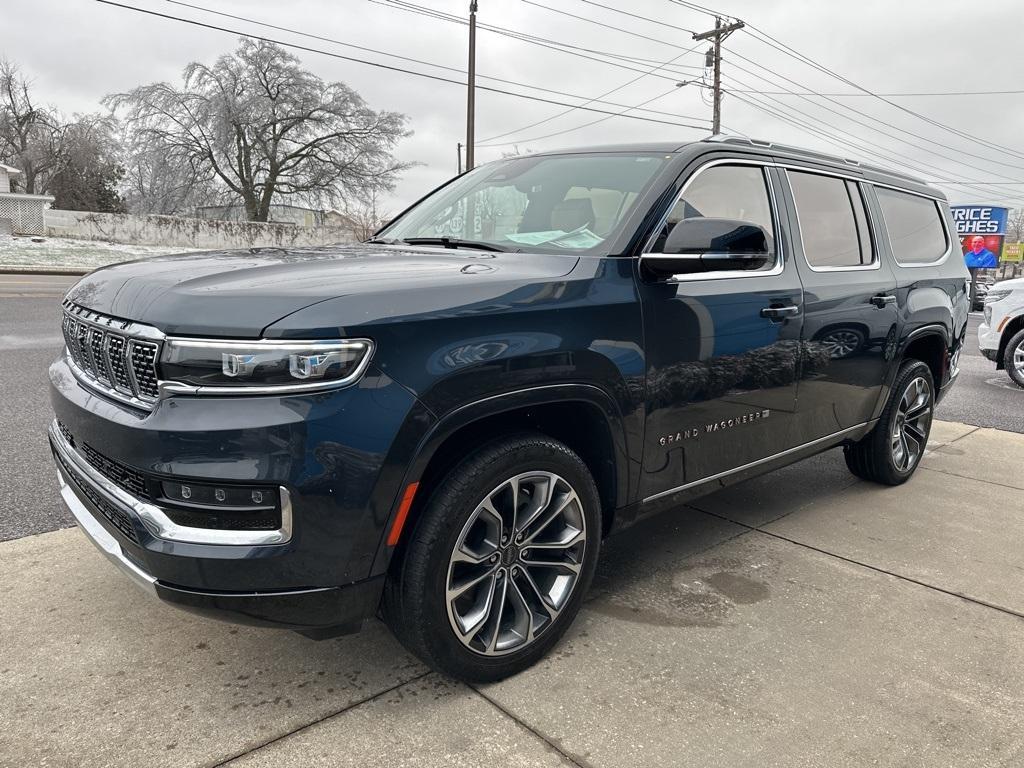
<point x="240" y="293"/>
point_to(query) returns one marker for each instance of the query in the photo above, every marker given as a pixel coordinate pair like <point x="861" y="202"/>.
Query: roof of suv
<point x="872" y="172"/>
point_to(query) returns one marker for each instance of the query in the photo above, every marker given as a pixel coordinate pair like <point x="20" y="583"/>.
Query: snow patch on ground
<point x="66" y="252"/>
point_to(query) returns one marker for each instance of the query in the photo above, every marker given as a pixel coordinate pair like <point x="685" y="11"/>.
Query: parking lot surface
<point x="803" y="618"/>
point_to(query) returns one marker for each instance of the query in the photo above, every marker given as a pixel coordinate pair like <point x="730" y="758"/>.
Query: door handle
<point x="883" y="300"/>
<point x="780" y="313"/>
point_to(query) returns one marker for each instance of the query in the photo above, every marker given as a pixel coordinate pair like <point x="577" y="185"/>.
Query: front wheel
<point x="1013" y="359"/>
<point x="499" y="561"/>
<point x="890" y="453"/>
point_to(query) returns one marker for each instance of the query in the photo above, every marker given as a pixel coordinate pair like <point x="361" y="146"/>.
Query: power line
<point x="917" y="136"/>
<point x="601" y="24"/>
<point x="845" y="145"/>
<point x="485" y="142"/>
<point x="578" y="127"/>
<point x="638" y="16"/>
<point x="758" y="34"/>
<point x="847" y="94"/>
<point x="816" y="122"/>
<point x="771" y="41"/>
<point x="388" y="67"/>
<point x="335" y="41"/>
<point x="555" y="45"/>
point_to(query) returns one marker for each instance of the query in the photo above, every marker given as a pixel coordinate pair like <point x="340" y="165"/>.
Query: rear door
<point x="721" y="370"/>
<point x="850" y="303"/>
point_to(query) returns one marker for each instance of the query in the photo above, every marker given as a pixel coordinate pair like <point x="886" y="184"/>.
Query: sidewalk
<point x="801" y="619"/>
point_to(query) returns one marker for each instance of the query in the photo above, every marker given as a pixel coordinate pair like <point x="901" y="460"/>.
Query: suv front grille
<point x="113" y="355"/>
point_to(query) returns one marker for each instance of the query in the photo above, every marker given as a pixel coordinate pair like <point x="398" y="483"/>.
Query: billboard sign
<point x="981" y="229"/>
<point x="1013" y="252"/>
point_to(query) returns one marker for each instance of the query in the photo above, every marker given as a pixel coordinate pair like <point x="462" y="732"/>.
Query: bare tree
<point x="30" y="134"/>
<point x="87" y="175"/>
<point x="155" y="182"/>
<point x="1015" y="225"/>
<point x="363" y="217"/>
<point x="265" y="128"/>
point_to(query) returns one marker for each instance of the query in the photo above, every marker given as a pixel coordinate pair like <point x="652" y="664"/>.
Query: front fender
<point x="495" y="405"/>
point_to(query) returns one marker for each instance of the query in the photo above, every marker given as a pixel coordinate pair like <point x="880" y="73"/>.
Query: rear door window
<point x="833" y="225"/>
<point x="914" y="224"/>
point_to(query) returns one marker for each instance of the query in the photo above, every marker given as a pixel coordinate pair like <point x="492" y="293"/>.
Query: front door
<point x="723" y="349"/>
<point x="850" y="308"/>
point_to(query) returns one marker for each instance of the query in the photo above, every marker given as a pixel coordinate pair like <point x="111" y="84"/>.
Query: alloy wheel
<point x="913" y="419"/>
<point x="1018" y="360"/>
<point x="516" y="563"/>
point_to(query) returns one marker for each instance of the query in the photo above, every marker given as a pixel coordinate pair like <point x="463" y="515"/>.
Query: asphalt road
<point x="30" y="339"/>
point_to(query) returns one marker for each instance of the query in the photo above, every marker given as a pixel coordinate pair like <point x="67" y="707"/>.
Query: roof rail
<point x="810" y="154"/>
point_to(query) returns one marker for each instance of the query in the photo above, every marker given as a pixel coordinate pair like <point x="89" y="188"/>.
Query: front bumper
<point x="340" y="608"/>
<point x="988" y="342"/>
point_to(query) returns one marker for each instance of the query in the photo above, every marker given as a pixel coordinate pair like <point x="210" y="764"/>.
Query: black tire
<point x="1014" y="346"/>
<point x="416" y="601"/>
<point x="882" y="457"/>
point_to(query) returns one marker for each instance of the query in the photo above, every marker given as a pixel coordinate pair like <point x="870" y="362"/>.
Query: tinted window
<point x="737" y="192"/>
<point x="833" y="225"/>
<point x="915" y="226"/>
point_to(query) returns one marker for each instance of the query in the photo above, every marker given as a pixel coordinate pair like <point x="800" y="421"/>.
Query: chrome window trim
<point x="942" y="219"/>
<point x="876" y="262"/>
<point x="156" y="521"/>
<point x="780" y="263"/>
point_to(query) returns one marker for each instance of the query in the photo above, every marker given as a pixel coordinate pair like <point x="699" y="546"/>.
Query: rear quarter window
<point x="914" y="224"/>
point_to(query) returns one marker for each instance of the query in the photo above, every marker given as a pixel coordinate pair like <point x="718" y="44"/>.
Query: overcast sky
<point x="79" y="50"/>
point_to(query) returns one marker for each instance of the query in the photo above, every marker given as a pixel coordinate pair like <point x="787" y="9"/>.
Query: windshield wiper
<point x="453" y="242"/>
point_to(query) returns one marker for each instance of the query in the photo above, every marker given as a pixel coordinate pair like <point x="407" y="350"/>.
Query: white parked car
<point x="1001" y="334"/>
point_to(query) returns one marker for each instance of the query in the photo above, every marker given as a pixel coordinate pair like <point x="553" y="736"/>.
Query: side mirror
<point x="709" y="245"/>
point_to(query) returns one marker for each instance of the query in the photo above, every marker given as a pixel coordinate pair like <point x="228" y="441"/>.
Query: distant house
<point x="20" y="214"/>
<point x="278" y="214"/>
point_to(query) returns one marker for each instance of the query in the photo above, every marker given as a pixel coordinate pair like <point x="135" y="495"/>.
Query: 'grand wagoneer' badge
<point x="714" y="426"/>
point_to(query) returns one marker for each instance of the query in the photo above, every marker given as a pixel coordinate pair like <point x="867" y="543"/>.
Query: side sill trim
<point x="752" y="464"/>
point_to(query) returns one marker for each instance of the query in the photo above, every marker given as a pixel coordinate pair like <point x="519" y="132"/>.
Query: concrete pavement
<point x="801" y="619"/>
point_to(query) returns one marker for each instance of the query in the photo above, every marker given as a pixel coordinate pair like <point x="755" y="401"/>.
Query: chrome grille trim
<point x="115" y="357"/>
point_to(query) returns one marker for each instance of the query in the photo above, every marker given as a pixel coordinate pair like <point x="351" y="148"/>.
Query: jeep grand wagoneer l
<point x="441" y="425"/>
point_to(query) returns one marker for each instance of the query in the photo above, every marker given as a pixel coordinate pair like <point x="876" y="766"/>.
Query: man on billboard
<point x="978" y="256"/>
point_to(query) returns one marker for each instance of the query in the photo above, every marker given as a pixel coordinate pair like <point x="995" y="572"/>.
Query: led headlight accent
<point x="194" y="366"/>
<point x="993" y="296"/>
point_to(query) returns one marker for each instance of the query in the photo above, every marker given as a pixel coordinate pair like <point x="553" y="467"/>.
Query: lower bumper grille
<point x="116" y="516"/>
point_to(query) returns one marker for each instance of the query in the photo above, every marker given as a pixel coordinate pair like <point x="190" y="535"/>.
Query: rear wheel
<point x="498" y="563"/>
<point x="1013" y="358"/>
<point x="890" y="453"/>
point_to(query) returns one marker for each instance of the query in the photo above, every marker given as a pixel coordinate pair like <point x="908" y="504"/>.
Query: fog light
<point x="221" y="507"/>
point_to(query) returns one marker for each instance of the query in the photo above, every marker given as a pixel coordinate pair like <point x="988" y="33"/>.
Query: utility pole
<point x="719" y="33"/>
<point x="458" y="151"/>
<point x="471" y="87"/>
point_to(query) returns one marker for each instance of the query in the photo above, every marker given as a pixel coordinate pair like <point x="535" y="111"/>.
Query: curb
<point x="34" y="269"/>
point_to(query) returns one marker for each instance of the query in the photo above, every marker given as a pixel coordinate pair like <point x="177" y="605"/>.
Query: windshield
<point x="548" y="203"/>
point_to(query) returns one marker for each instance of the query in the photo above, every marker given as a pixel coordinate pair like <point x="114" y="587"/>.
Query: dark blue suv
<point x="442" y="424"/>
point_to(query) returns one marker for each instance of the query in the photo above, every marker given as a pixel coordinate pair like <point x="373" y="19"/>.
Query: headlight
<point x="194" y="366"/>
<point x="993" y="296"/>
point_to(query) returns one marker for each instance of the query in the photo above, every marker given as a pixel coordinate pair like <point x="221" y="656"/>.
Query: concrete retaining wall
<point x="181" y="231"/>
